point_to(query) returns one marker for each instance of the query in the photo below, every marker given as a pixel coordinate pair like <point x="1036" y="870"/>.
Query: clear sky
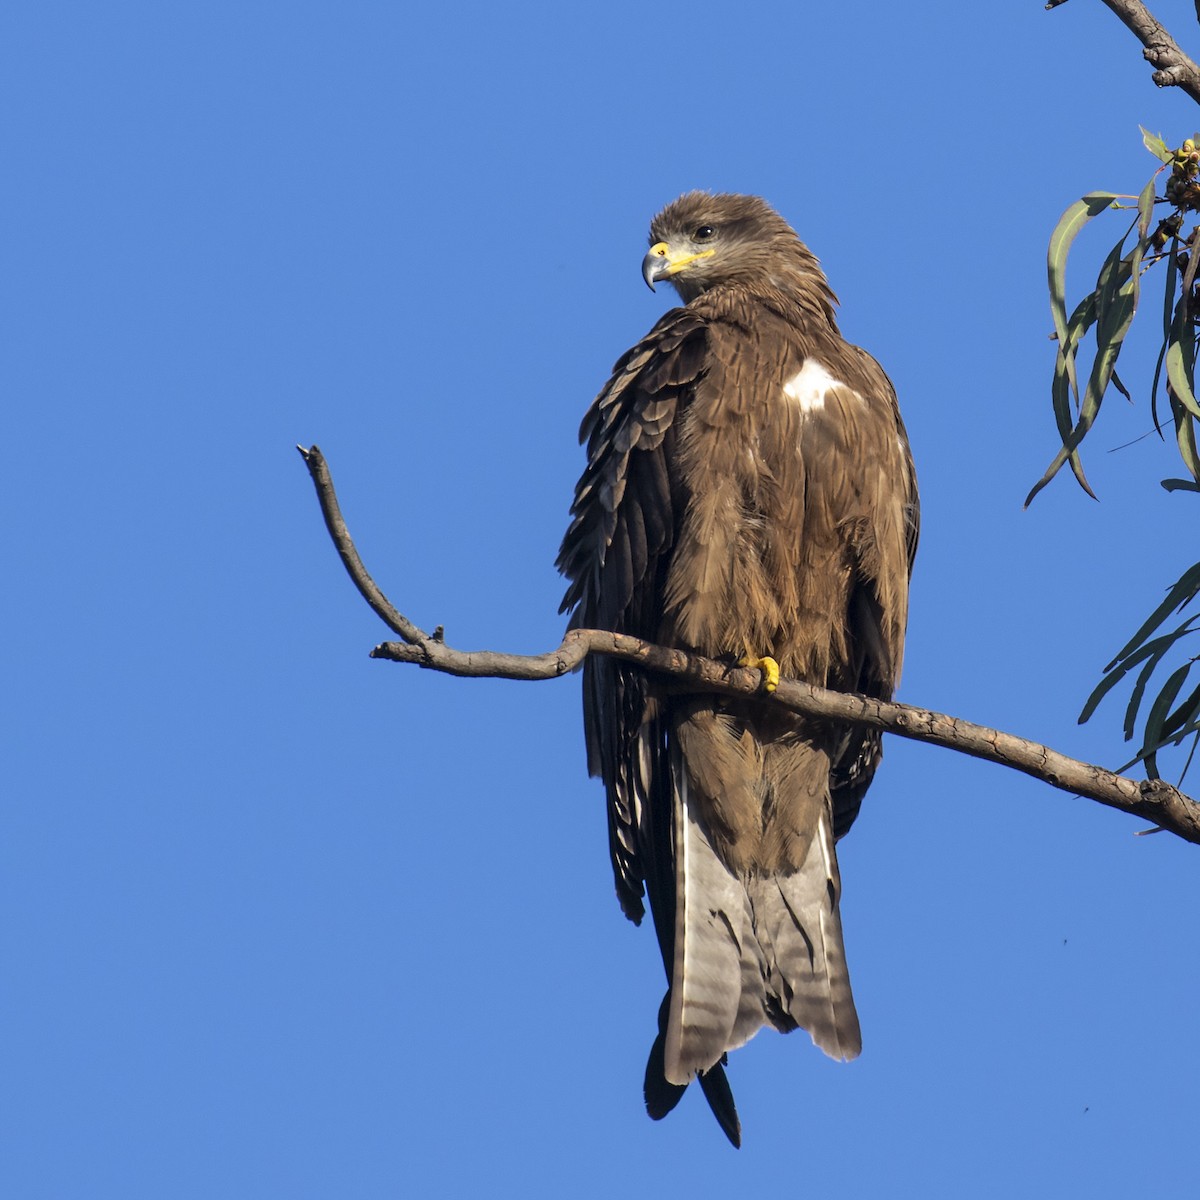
<point x="281" y="921"/>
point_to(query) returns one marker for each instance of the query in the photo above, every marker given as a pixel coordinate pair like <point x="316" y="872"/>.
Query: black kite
<point x="749" y="491"/>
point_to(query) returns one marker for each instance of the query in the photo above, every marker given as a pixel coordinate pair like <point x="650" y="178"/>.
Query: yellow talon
<point x="769" y="668"/>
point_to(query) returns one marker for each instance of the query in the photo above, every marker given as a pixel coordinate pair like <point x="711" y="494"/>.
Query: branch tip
<point x="383" y="608"/>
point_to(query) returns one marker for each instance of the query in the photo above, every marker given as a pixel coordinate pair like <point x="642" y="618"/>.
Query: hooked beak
<point x="657" y="264"/>
<point x="660" y="263"/>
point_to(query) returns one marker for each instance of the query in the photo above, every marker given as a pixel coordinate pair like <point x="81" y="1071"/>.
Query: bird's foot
<point x="769" y="668"/>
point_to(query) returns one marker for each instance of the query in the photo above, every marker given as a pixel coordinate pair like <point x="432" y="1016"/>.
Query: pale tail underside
<point x="754" y="950"/>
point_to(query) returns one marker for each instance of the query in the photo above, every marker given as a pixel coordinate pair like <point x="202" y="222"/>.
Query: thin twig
<point x="1154" y="800"/>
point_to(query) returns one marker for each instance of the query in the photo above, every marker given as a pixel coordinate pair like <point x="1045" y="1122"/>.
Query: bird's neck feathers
<point x="798" y="293"/>
<point x="800" y="289"/>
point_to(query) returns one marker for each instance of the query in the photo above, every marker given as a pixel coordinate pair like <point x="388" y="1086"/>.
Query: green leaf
<point x="1068" y="453"/>
<point x="1172" y="281"/>
<point x="1063" y="385"/>
<point x="1153" y="739"/>
<point x="1152" y="650"/>
<point x="1182" y="591"/>
<point x="1180" y="485"/>
<point x="1111" y="307"/>
<point x="1168" y="320"/>
<point x="1139" y="689"/>
<point x="1175" y="726"/>
<point x="1069" y="225"/>
<point x="1185" y="439"/>
<point x="1155" y="144"/>
<point x="1116" y="302"/>
<point x="1196" y="740"/>
<point x="1082" y="319"/>
<point x="1145" y="216"/>
<point x="1158" y="366"/>
<point x="1177" y="741"/>
<point x="1114" y="274"/>
<point x="1180" y="363"/>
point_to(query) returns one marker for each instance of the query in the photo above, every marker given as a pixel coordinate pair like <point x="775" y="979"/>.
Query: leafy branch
<point x="1108" y="311"/>
<point x="1110" y="307"/>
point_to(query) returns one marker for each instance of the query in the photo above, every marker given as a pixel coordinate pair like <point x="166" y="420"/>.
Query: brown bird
<point x="749" y="491"/>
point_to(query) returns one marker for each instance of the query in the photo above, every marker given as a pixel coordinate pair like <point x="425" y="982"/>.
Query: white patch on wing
<point x="809" y="386"/>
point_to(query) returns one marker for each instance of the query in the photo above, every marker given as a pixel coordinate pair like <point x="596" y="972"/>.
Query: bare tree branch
<point x="318" y="468"/>
<point x="1156" y="801"/>
<point x="1173" y="68"/>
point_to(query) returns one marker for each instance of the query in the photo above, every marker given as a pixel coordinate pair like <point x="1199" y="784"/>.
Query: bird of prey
<point x="749" y="493"/>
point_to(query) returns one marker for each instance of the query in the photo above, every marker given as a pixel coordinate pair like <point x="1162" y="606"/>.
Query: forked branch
<point x="1155" y="801"/>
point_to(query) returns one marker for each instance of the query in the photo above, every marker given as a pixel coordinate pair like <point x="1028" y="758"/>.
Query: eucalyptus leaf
<point x="1067" y="453"/>
<point x="1180" y="362"/>
<point x="1168" y="319"/>
<point x="1145" y="216"/>
<point x="1114" y="274"/>
<point x="1113" y="674"/>
<point x="1153" y="739"/>
<point x="1069" y="225"/>
<point x="1182" y="591"/>
<point x="1175" y="725"/>
<point x="1082" y="319"/>
<point x="1111" y="306"/>
<point x="1139" y="690"/>
<point x="1063" y="385"/>
<point x="1155" y="144"/>
<point x="1185" y="439"/>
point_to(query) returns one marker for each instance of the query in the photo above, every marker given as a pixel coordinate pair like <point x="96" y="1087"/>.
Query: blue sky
<point x="280" y="921"/>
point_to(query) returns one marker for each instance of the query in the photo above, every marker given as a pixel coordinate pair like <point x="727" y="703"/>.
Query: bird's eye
<point x="703" y="233"/>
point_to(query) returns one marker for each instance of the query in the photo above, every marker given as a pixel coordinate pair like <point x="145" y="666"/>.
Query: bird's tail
<point x="752" y="950"/>
<point x="799" y="930"/>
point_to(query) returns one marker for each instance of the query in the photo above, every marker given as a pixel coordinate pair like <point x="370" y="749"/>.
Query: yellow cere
<point x="675" y="265"/>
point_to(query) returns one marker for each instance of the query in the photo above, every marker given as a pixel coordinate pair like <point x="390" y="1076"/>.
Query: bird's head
<point x="704" y="240"/>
